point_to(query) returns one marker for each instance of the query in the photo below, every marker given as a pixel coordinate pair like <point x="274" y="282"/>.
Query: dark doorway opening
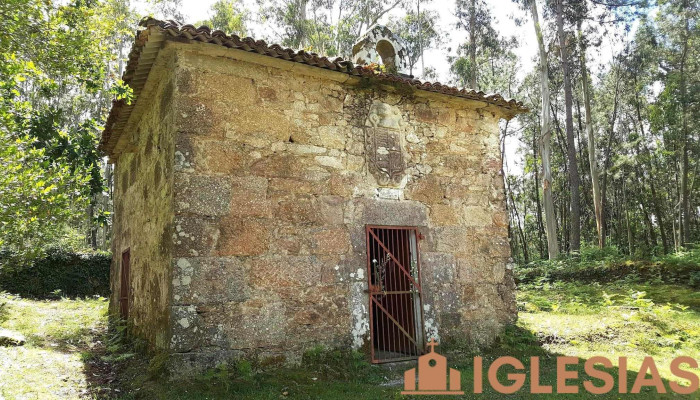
<point x="124" y="290"/>
<point x="396" y="311"/>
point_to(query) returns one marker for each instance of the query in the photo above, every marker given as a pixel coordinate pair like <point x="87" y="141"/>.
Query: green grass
<point x="58" y="333"/>
<point x="572" y="319"/>
<point x="613" y="320"/>
<point x="69" y="353"/>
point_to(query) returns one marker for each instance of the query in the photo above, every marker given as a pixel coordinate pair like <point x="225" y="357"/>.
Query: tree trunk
<point x="538" y="204"/>
<point x="420" y="41"/>
<point x="574" y="181"/>
<point x="685" y="204"/>
<point x="652" y="186"/>
<point x="472" y="43"/>
<point x="521" y="233"/>
<point x="630" y="240"/>
<point x="561" y="142"/>
<point x="302" y="36"/>
<point x="545" y="141"/>
<point x="647" y="221"/>
<point x="597" y="205"/>
<point x="608" y="156"/>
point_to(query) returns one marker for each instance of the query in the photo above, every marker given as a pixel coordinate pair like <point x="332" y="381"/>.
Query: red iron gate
<point x="395" y="309"/>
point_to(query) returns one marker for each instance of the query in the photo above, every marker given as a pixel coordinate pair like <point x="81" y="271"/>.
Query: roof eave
<point x="150" y="40"/>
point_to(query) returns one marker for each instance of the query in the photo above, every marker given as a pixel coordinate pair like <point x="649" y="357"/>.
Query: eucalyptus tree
<point x="545" y="137"/>
<point x="592" y="161"/>
<point x="678" y="41"/>
<point x="474" y="17"/>
<point x="419" y="31"/>
<point x="329" y="27"/>
<point x="574" y="179"/>
<point x="229" y="16"/>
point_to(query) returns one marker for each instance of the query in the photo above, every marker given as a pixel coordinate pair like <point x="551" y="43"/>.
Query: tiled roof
<point x="142" y="57"/>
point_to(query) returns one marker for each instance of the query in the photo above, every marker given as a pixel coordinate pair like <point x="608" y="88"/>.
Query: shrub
<point x="58" y="272"/>
<point x="694" y="280"/>
<point x="609" y="265"/>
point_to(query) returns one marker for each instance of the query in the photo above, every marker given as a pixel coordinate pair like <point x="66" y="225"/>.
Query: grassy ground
<point x="59" y="334"/>
<point x="70" y="355"/>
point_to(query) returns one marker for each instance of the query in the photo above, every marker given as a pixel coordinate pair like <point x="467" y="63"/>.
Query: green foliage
<point x="68" y="335"/>
<point x="330" y="27"/>
<point x="419" y="32"/>
<point x="56" y="62"/>
<point x="338" y="364"/>
<point x="229" y="16"/>
<point x="609" y="264"/>
<point x="122" y="91"/>
<point x="643" y="103"/>
<point x="157" y="364"/>
<point x="223" y="374"/>
<point x="58" y="272"/>
<point x="38" y="196"/>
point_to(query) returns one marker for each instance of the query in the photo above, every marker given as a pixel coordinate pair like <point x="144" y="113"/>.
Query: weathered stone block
<point x="443" y="215"/>
<point x="426" y="190"/>
<point x="277" y="271"/>
<point x="438" y="268"/>
<point x="283" y="187"/>
<point x="475" y="216"/>
<point x="202" y="194"/>
<point x="249" y="197"/>
<point x="202" y="280"/>
<point x="247" y="237"/>
<point x="453" y="240"/>
<point x="279" y="166"/>
<point x="194" y="236"/>
<point x="298" y="210"/>
<point x="184" y="322"/>
<point x="387" y="212"/>
<point x="331" y="210"/>
<point x="219" y="157"/>
<point x="255" y="125"/>
<point x="197" y="117"/>
<point x="258" y="322"/>
<point x="332" y="137"/>
<point x="342" y="185"/>
<point x="331" y="241"/>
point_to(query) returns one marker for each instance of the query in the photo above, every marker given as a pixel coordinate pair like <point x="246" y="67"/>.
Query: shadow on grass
<point x="4" y="312"/>
<point x="341" y="375"/>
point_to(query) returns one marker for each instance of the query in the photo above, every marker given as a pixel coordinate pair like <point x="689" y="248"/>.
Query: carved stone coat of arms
<point x="383" y="144"/>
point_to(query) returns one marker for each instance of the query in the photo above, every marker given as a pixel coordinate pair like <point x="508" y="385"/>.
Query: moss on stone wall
<point x="143" y="218"/>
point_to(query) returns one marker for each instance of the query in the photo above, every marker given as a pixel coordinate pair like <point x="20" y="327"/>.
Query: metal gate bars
<point x="395" y="309"/>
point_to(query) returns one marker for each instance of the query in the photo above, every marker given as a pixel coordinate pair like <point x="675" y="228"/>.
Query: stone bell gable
<point x="382" y="47"/>
<point x="268" y="201"/>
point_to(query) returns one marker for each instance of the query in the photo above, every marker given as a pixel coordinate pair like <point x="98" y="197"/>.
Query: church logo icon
<point x="432" y="375"/>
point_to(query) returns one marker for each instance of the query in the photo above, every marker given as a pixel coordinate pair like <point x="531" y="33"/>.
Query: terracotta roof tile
<point x="172" y="30"/>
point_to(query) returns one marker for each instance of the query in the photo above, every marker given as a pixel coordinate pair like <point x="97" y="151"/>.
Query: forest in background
<point x="610" y="155"/>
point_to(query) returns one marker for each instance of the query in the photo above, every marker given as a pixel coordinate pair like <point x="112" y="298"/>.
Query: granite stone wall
<point x="143" y="190"/>
<point x="276" y="174"/>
